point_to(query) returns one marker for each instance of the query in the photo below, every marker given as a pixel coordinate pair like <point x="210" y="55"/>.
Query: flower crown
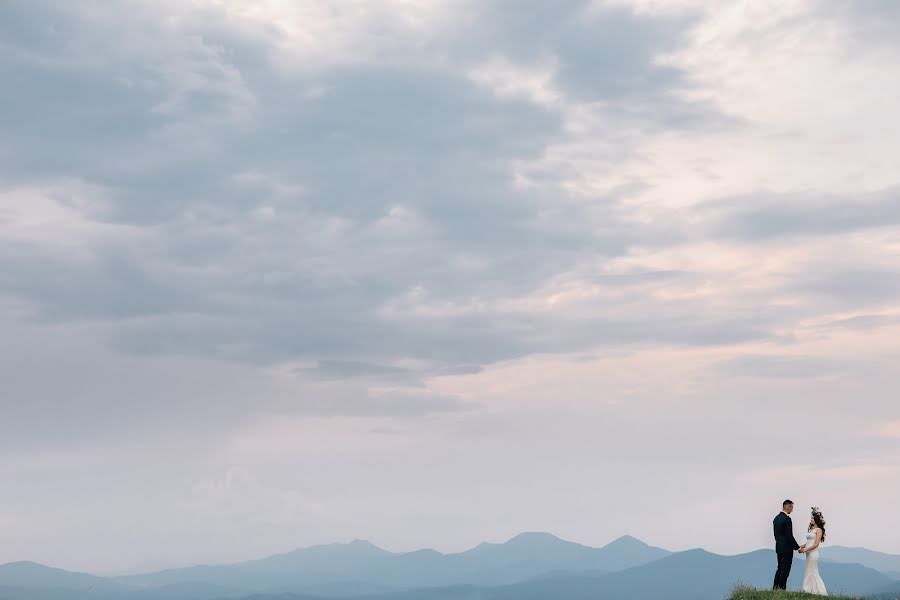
<point x="818" y="513"/>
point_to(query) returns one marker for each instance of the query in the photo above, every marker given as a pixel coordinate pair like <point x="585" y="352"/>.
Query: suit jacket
<point x="784" y="534"/>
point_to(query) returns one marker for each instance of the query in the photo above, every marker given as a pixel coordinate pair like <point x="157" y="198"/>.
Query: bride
<point x="812" y="581"/>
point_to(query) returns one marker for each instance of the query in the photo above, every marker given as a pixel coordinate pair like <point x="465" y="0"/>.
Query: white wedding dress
<point x="812" y="581"/>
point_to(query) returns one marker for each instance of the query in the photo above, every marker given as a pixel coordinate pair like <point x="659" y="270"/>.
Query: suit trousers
<point x="785" y="560"/>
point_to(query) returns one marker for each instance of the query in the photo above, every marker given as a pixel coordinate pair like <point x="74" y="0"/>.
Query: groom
<point x="785" y="544"/>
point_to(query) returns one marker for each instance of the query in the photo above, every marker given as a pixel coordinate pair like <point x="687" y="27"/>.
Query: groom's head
<point x="788" y="506"/>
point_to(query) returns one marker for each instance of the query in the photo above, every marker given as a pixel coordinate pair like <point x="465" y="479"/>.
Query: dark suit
<point x="785" y="545"/>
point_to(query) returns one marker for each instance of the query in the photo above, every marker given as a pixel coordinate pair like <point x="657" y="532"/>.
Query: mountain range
<point x="528" y="566"/>
<point x="886" y="563"/>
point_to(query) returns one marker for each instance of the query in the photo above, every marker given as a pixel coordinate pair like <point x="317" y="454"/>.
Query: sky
<point x="437" y="272"/>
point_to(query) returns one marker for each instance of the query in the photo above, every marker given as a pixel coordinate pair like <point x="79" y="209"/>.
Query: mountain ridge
<point x="513" y="569"/>
<point x="516" y="559"/>
<point x="881" y="561"/>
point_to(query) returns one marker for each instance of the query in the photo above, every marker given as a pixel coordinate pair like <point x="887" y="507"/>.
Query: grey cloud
<point x="86" y="99"/>
<point x="604" y="52"/>
<point x="769" y="216"/>
<point x="341" y="369"/>
<point x="854" y="287"/>
<point x="215" y="278"/>
<point x="450" y="344"/>
<point x="862" y="322"/>
<point x="113" y="285"/>
<point x="62" y="387"/>
<point x="864" y="21"/>
<point x="827" y="283"/>
<point x="378" y="137"/>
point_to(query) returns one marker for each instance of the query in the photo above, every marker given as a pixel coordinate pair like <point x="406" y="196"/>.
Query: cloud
<point x="855" y="287"/>
<point x="284" y="215"/>
<point x="775" y="216"/>
<point x="340" y="369"/>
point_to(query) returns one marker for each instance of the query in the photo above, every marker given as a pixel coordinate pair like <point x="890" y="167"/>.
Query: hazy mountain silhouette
<point x="528" y="554"/>
<point x="27" y="574"/>
<point x="183" y="591"/>
<point x="313" y="567"/>
<point x="320" y="567"/>
<point x="528" y="566"/>
<point x="691" y="575"/>
<point x="886" y="563"/>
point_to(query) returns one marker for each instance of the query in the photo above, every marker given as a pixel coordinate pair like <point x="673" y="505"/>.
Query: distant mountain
<point x="530" y="566"/>
<point x="174" y="592"/>
<point x="51" y="593"/>
<point x="531" y="554"/>
<point x="345" y="589"/>
<point x="183" y="591"/>
<point x="28" y="574"/>
<point x="691" y="575"/>
<point x="316" y="567"/>
<point x="886" y="563"/>
<point x="332" y="569"/>
<point x="33" y="581"/>
<point x="627" y="552"/>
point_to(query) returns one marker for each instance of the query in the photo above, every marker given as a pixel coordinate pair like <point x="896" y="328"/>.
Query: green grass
<point x="749" y="593"/>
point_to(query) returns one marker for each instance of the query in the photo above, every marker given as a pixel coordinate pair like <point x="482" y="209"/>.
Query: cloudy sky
<point x="434" y="272"/>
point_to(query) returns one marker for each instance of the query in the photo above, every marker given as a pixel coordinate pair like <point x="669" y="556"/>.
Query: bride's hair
<point x="818" y="521"/>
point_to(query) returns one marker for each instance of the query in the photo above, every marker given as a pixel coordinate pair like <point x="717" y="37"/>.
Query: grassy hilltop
<point x="749" y="593"/>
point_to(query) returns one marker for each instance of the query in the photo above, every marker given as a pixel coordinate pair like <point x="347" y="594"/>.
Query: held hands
<point x="802" y="549"/>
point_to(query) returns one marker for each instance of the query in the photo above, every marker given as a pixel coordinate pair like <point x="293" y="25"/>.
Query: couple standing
<point x="785" y="545"/>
